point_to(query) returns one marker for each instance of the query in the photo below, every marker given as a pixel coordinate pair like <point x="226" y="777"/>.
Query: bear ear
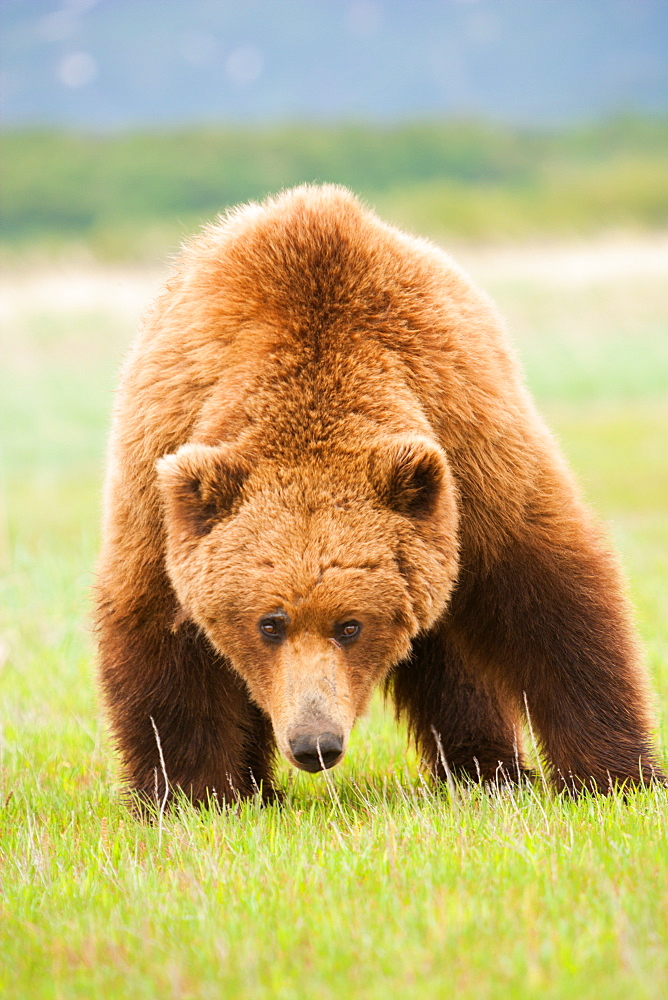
<point x="200" y="484"/>
<point x="408" y="474"/>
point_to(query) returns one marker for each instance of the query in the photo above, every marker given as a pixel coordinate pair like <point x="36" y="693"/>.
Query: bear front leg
<point x="457" y="719"/>
<point x="550" y="620"/>
<point x="217" y="745"/>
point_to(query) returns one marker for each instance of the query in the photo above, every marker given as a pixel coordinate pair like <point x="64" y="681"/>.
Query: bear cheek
<point x="369" y="666"/>
<point x="249" y="657"/>
<point x="192" y="574"/>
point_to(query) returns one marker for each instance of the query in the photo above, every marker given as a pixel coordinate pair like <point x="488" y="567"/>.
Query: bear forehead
<point x="321" y="596"/>
<point x="289" y="541"/>
<point x="320" y="525"/>
<point x="328" y="573"/>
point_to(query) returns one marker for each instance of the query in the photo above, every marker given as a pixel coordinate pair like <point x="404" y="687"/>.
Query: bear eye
<point x="347" y="631"/>
<point x="272" y="628"/>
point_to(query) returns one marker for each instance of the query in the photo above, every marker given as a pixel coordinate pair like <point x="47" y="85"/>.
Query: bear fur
<point x="325" y="474"/>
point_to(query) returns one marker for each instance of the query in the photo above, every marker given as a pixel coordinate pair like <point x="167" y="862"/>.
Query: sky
<point x="107" y="64"/>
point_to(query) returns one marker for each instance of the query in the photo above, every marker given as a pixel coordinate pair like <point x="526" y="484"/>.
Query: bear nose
<point x="315" y="751"/>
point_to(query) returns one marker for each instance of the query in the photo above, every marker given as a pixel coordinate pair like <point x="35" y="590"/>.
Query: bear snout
<point x="316" y="751"/>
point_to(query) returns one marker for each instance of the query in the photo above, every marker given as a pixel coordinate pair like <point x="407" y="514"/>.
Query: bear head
<point x="311" y="579"/>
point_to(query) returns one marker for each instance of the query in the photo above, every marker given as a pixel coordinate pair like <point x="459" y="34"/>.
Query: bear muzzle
<point x="311" y="705"/>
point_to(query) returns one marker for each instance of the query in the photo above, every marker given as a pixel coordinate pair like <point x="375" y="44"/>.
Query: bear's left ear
<point x="408" y="474"/>
<point x="201" y="483"/>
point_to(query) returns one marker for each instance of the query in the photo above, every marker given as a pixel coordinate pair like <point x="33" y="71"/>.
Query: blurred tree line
<point x="135" y="193"/>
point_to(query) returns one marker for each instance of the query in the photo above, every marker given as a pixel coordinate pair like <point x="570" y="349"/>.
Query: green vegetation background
<point x="132" y="193"/>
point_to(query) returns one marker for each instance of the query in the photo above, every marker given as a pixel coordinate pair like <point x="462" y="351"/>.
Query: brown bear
<point x="325" y="475"/>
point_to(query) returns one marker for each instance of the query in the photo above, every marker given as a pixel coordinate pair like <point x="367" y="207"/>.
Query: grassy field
<point x="367" y="883"/>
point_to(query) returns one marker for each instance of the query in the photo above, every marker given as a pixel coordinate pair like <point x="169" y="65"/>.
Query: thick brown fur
<point x="323" y="420"/>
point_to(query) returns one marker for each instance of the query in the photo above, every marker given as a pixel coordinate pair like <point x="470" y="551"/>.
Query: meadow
<point x="367" y="882"/>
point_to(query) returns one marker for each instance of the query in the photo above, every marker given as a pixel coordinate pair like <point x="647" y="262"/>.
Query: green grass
<point x="369" y="884"/>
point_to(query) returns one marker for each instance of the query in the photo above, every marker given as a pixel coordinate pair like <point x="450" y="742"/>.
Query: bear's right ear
<point x="200" y="484"/>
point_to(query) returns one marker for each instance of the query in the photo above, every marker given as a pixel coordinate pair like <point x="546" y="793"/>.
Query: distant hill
<point x="136" y="193"/>
<point x="112" y="63"/>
